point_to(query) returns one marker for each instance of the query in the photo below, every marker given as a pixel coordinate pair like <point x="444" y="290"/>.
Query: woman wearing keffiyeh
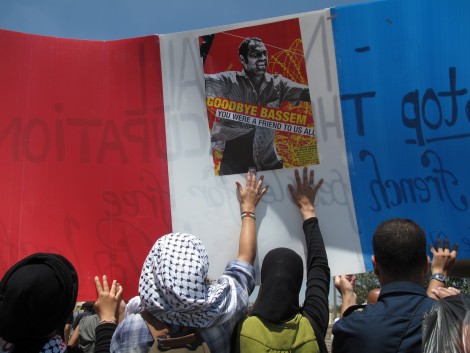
<point x="174" y="292"/>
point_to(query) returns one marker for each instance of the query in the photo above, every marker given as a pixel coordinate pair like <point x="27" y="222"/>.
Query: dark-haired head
<point x="399" y="251"/>
<point x="243" y="48"/>
<point x="281" y="281"/>
<point x="36" y="296"/>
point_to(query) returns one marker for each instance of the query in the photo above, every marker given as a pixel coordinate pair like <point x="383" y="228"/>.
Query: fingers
<point x="104" y="289"/>
<point x="445" y="249"/>
<point x="315" y="189"/>
<point x="443" y="292"/>
<point x="105" y="284"/>
<point x="239" y="187"/>
<point x="112" y="291"/>
<point x="297" y="178"/>
<point x="259" y="185"/>
<point x="311" y="179"/>
<point x="119" y="291"/>
<point x="305" y="178"/>
<point x="99" y="288"/>
<point x="455" y="249"/>
<point x="263" y="191"/>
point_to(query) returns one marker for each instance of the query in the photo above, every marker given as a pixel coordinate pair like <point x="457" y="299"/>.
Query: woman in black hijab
<point x="277" y="322"/>
<point x="36" y="296"/>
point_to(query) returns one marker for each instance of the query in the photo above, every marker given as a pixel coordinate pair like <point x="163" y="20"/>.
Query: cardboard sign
<point x="83" y="154"/>
<point x="206" y="205"/>
<point x="404" y="81"/>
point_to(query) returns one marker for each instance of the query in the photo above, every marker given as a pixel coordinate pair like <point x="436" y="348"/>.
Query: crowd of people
<point x="179" y="310"/>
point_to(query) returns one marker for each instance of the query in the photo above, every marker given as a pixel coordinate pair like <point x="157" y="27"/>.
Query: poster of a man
<point x="255" y="111"/>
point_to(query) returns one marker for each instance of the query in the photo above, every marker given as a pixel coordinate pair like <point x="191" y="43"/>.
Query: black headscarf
<point x="36" y="296"/>
<point x="281" y="280"/>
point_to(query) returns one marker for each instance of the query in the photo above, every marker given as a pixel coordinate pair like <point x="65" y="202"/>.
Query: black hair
<point x="400" y="248"/>
<point x="243" y="48"/>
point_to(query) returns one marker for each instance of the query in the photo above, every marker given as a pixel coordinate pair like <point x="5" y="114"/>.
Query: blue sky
<point x="115" y="19"/>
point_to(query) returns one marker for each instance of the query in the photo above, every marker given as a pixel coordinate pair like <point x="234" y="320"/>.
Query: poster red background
<point x="283" y="40"/>
<point x="83" y="154"/>
<point x="277" y="37"/>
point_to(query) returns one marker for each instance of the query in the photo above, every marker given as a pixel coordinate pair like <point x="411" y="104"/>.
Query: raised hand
<point x="305" y="191"/>
<point x="107" y="303"/>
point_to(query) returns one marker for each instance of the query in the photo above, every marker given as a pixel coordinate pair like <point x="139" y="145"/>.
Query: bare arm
<point x="249" y="198"/>
<point x="345" y="285"/>
<point x="73" y="340"/>
<point x="107" y="307"/>
<point x="443" y="261"/>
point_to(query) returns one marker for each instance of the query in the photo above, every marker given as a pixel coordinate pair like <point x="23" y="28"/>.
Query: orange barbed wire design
<point x="295" y="150"/>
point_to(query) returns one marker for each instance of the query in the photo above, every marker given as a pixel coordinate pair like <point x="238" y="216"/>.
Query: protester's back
<point x="394" y="323"/>
<point x="277" y="322"/>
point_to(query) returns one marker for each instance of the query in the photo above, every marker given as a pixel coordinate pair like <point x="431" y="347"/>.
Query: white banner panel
<point x="206" y="205"/>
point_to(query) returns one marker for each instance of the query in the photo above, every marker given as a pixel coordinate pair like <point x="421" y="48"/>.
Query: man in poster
<point x="247" y="145"/>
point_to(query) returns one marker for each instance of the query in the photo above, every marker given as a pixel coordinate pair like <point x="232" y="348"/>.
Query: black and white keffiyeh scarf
<point x="54" y="345"/>
<point x="173" y="285"/>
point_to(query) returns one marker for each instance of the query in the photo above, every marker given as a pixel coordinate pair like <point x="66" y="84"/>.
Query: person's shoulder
<point x="359" y="308"/>
<point x="90" y="320"/>
<point x="239" y="266"/>
<point x="251" y="325"/>
<point x="131" y="335"/>
<point x="132" y="326"/>
<point x="131" y="323"/>
<point x="242" y="272"/>
<point x="250" y="319"/>
<point x="224" y="75"/>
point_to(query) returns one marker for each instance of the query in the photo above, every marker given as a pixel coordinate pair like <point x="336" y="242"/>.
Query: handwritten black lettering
<point x="357" y="98"/>
<point x="40" y="140"/>
<point x="441" y="185"/>
<point x="416" y="116"/>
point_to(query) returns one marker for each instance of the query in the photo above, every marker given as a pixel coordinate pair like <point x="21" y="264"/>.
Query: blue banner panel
<point x="404" y="76"/>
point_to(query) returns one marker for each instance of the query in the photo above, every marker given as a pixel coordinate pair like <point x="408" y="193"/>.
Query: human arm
<point x="304" y="192"/>
<point x="318" y="271"/>
<point x="107" y="306"/>
<point x="73" y="340"/>
<point x="443" y="292"/>
<point x="443" y="260"/>
<point x="67" y="329"/>
<point x="294" y="92"/>
<point x="249" y="198"/>
<point x="345" y="285"/>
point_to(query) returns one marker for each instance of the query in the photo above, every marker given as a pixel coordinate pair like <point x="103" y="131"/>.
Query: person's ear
<point x="376" y="267"/>
<point x="242" y="60"/>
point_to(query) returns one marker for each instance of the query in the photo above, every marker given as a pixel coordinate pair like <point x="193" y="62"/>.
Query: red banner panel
<point x="83" y="154"/>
